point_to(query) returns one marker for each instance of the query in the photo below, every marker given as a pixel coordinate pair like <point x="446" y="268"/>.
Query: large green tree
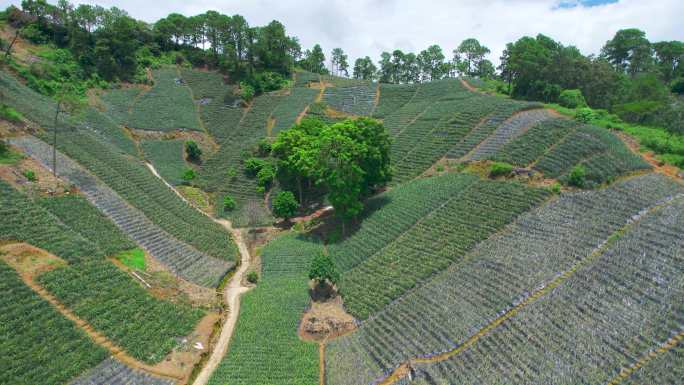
<point x="629" y="51"/>
<point x="365" y="69"/>
<point x="469" y="56"/>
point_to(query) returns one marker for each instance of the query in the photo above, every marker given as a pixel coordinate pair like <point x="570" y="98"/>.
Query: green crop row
<point x="167" y="156"/>
<point x="77" y="213"/>
<point x="266" y="348"/>
<point x="443" y="237"/>
<point x="39" y="345"/>
<point x="122" y="310"/>
<point x="119" y="103"/>
<point x="167" y="106"/>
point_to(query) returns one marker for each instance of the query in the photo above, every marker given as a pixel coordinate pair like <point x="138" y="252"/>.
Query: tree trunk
<point x="9" y="47"/>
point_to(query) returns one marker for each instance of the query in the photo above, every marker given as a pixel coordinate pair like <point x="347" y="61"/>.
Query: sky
<point x="369" y="27"/>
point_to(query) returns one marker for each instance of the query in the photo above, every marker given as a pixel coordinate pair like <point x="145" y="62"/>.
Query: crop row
<point x="39" y="345"/>
<point x="287" y="111"/>
<point x="303" y="78"/>
<point x="119" y="102"/>
<point x="602" y="153"/>
<point x="24" y="220"/>
<point x="167" y="158"/>
<point x="603" y="318"/>
<point x="534" y="143"/>
<point x="441" y="238"/>
<point x="166" y="106"/>
<point x="178" y="256"/>
<point x="113" y="372"/>
<point x="103" y="295"/>
<point x="41" y="110"/>
<point x="265" y="348"/>
<point x="393" y="97"/>
<point x="510" y="129"/>
<point x="219" y="108"/>
<point x="496" y="275"/>
<point x="357" y="100"/>
<point x="665" y="368"/>
<point x="77" y="213"/>
<point x="92" y="287"/>
<point x="389" y="215"/>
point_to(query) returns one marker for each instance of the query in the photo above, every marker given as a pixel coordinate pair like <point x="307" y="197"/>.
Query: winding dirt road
<point x="231" y="295"/>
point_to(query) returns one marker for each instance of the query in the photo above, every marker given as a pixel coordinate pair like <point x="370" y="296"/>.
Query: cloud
<point x="368" y="27"/>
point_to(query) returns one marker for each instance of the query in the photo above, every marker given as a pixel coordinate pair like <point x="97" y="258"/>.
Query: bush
<point x="585" y="115"/>
<point x="254" y="165"/>
<point x="247" y="92"/>
<point x="577" y="176"/>
<point x="10" y="114"/>
<point x="642" y="112"/>
<point x="266" y="175"/>
<point x="193" y="151"/>
<point x="285" y="205"/>
<point x="30" y="175"/>
<point x="555" y="188"/>
<point x="229" y="203"/>
<point x="188" y="176"/>
<point x="4" y="148"/>
<point x="572" y="99"/>
<point x="323" y="270"/>
<point x="500" y="169"/>
<point x="678" y="86"/>
<point x="263" y="149"/>
<point x="252" y="277"/>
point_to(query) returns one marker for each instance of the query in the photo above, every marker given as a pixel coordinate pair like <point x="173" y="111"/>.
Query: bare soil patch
<point x="29" y="261"/>
<point x="45" y="183"/>
<point x="205" y="141"/>
<point x="326" y="320"/>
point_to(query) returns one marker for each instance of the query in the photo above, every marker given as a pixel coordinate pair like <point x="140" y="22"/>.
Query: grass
<point x="196" y="196"/>
<point x="10" y="157"/>
<point x="135" y="258"/>
<point x="10" y="114"/>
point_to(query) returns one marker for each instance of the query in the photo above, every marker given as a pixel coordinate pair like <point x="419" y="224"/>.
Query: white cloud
<point x="367" y="27"/>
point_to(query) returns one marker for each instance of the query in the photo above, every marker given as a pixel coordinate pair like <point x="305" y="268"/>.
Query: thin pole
<point x="54" y="143"/>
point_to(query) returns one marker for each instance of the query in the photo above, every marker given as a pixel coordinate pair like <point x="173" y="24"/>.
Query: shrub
<point x="323" y="270"/>
<point x="285" y="205"/>
<point x="30" y="175"/>
<point x="263" y="149"/>
<point x="577" y="176"/>
<point x="678" y="86"/>
<point x="188" y="176"/>
<point x="500" y="169"/>
<point x="555" y="188"/>
<point x="229" y="203"/>
<point x="193" y="151"/>
<point x="572" y="99"/>
<point x="10" y="114"/>
<point x="252" y="277"/>
<point x="4" y="149"/>
<point x="247" y="92"/>
<point x="585" y="115"/>
<point x="254" y="165"/>
<point x="266" y="175"/>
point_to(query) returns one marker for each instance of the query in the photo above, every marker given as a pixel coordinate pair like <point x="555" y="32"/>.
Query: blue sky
<point x="368" y="27"/>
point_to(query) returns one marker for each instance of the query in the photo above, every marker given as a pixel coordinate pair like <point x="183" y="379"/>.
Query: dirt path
<point x="231" y="294"/>
<point x="668" y="345"/>
<point x="402" y="370"/>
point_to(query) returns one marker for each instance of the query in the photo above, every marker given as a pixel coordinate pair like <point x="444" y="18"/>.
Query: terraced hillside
<point x="88" y="285"/>
<point x="496" y="276"/>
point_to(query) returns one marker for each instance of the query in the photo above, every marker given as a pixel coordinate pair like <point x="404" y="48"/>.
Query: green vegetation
<point x="572" y="99"/>
<point x="577" y="176"/>
<point x="194" y="153"/>
<point x="351" y="159"/>
<point x="473" y="211"/>
<point x="265" y="348"/>
<point x="253" y="277"/>
<point x="10" y="114"/>
<point x="76" y="212"/>
<point x="498" y="169"/>
<point x="167" y="106"/>
<point x="167" y="158"/>
<point x="228" y="203"/>
<point x="285" y="205"/>
<point x="89" y="284"/>
<point x="323" y="271"/>
<point x="41" y="345"/>
<point x="30" y="175"/>
<point x="134" y="258"/>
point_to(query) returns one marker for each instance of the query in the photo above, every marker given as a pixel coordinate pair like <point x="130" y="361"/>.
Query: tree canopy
<point x="349" y="159"/>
